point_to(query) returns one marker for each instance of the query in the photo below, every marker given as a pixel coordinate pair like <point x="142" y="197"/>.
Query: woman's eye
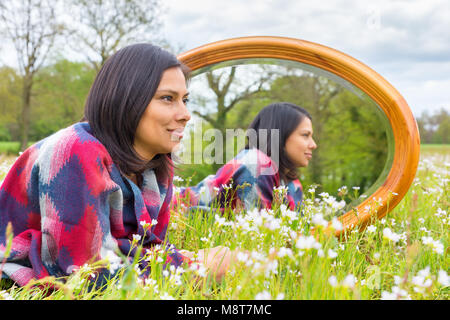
<point x="166" y="98"/>
<point x="185" y="100"/>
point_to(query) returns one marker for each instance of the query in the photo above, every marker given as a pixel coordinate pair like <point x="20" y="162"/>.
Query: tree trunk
<point x="26" y="106"/>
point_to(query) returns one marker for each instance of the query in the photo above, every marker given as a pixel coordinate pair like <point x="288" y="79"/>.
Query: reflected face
<point x="300" y="144"/>
<point x="161" y="127"/>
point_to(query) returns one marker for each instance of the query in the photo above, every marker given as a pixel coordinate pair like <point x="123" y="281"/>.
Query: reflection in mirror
<point x="354" y="137"/>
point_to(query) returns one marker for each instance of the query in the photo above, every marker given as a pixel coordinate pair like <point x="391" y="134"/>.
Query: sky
<point x="406" y="42"/>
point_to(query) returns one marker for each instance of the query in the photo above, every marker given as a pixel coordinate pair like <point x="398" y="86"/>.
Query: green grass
<point x="435" y="148"/>
<point x="404" y="255"/>
<point x="11" y="147"/>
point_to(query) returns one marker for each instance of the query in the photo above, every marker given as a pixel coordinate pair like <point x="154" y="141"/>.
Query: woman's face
<point x="161" y="127"/>
<point x="300" y="144"/>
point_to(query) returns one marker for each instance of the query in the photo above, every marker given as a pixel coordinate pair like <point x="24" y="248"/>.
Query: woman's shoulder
<point x="253" y="155"/>
<point x="73" y="141"/>
<point x="254" y="158"/>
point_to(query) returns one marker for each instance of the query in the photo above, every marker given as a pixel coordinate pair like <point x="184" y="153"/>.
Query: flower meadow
<point x="403" y="256"/>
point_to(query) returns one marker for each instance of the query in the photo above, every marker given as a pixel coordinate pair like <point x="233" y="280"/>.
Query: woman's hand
<point x="217" y="260"/>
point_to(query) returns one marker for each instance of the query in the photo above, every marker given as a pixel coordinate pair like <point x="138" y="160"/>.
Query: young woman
<point x="89" y="189"/>
<point x="279" y="142"/>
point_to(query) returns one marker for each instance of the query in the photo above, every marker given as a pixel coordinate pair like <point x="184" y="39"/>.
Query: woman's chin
<point x="175" y="147"/>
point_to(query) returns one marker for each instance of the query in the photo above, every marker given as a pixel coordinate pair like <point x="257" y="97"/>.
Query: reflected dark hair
<point x="285" y="117"/>
<point x="121" y="92"/>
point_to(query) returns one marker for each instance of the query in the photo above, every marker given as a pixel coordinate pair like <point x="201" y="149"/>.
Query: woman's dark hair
<point x="285" y="117"/>
<point x="121" y="92"/>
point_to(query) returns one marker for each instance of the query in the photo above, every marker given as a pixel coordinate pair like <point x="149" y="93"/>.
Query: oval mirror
<point x="367" y="136"/>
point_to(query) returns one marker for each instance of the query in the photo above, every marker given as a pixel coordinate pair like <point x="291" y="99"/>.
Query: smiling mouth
<point x="176" y="134"/>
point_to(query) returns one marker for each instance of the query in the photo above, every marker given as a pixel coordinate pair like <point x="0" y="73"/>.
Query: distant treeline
<point x="434" y="128"/>
<point x="352" y="142"/>
<point x="62" y="87"/>
<point x="59" y="93"/>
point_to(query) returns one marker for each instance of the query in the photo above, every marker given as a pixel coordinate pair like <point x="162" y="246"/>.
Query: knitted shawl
<point x="69" y="205"/>
<point x="248" y="180"/>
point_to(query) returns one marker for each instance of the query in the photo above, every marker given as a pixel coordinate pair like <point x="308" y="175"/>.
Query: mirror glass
<point x="354" y="136"/>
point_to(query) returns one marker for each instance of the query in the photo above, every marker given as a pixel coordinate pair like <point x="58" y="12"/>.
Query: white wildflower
<point x="319" y="220"/>
<point x="371" y="228"/>
<point x="284" y="252"/>
<point x="264" y="295"/>
<point x="286" y="212"/>
<point x="166" y="296"/>
<point x="201" y="270"/>
<point x="4" y="295"/>
<point x="144" y="224"/>
<point x="273" y="224"/>
<point x="443" y="278"/>
<point x="336" y="224"/>
<point x="333" y="281"/>
<point x="343" y="190"/>
<point x="349" y="281"/>
<point x="440" y="213"/>
<point x="422" y="280"/>
<point x="177" y="179"/>
<point x="242" y="256"/>
<point x="150" y="282"/>
<point x="307" y="243"/>
<point x="280" y="296"/>
<point x="332" y="254"/>
<point x="436" y="245"/>
<point x="396" y="294"/>
<point x="271" y="268"/>
<point x="388" y="234"/>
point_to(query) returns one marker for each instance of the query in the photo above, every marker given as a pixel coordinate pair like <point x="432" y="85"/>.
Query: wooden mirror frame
<point x="401" y="119"/>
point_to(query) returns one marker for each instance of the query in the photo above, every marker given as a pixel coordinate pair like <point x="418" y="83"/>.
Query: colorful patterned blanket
<point x="248" y="180"/>
<point x="69" y="205"/>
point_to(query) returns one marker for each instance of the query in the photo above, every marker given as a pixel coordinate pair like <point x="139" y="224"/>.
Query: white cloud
<point x="405" y="41"/>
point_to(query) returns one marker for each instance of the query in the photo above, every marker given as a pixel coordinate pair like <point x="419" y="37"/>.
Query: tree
<point x="60" y="94"/>
<point x="434" y="128"/>
<point x="10" y="87"/>
<point x="228" y="91"/>
<point x="314" y="93"/>
<point x="103" y="26"/>
<point x="32" y="26"/>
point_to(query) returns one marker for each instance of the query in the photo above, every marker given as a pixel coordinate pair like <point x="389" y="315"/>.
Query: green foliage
<point x="348" y="128"/>
<point x="9" y="147"/>
<point x="60" y="91"/>
<point x="434" y="128"/>
<point x="10" y="103"/>
<point x="402" y="256"/>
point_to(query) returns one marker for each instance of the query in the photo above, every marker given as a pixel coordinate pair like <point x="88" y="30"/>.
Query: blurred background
<point x="50" y="52"/>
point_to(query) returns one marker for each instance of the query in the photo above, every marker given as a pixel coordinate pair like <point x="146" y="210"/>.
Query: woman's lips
<point x="176" y="134"/>
<point x="308" y="155"/>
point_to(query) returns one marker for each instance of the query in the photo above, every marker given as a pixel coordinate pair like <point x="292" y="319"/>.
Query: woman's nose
<point x="184" y="114"/>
